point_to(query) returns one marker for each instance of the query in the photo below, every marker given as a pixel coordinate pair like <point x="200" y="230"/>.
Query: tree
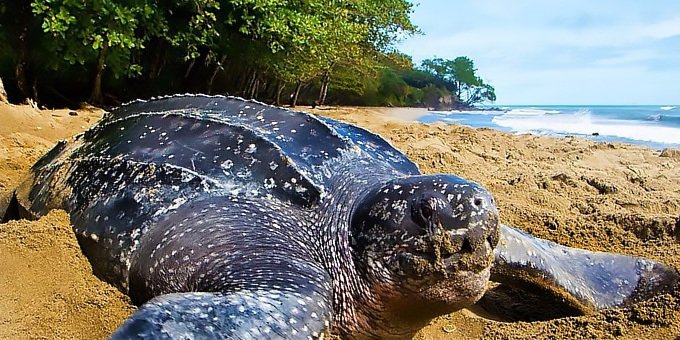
<point x="103" y="31"/>
<point x="361" y="33"/>
<point x="460" y="76"/>
<point x="256" y="48"/>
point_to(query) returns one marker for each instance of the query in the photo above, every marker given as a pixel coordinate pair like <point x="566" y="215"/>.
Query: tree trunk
<point x="20" y="30"/>
<point x="21" y="70"/>
<point x="3" y="94"/>
<point x="189" y="68"/>
<point x="158" y="61"/>
<point x="96" y="97"/>
<point x="216" y="70"/>
<point x="264" y="89"/>
<point x="241" y="80"/>
<point x="251" y="83"/>
<point x="279" y="90"/>
<point x="298" y="87"/>
<point x="458" y="91"/>
<point x="35" y="88"/>
<point x="254" y="88"/>
<point x="324" y="87"/>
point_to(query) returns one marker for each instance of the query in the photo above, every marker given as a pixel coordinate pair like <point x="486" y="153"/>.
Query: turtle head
<point x="427" y="238"/>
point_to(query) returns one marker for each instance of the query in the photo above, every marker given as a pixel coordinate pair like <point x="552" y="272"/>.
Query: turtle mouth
<point x="441" y="256"/>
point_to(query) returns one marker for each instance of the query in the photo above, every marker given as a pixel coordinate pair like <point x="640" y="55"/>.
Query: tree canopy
<point x="460" y="77"/>
<point x="107" y="51"/>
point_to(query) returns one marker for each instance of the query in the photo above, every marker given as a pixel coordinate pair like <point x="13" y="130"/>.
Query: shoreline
<point x="598" y="196"/>
<point x="482" y="120"/>
<point x="406" y="114"/>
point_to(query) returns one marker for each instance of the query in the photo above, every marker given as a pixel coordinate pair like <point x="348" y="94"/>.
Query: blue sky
<point x="559" y="52"/>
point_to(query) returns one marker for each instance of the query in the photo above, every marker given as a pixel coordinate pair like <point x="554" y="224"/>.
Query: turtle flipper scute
<point x="585" y="279"/>
<point x="245" y="314"/>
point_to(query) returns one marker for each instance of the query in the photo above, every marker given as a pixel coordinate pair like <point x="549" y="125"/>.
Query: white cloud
<point x="663" y="29"/>
<point x="514" y="38"/>
<point x="585" y="85"/>
<point x="594" y="52"/>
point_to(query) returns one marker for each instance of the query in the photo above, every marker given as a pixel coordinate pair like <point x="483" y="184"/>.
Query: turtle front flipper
<point x="244" y="314"/>
<point x="586" y="280"/>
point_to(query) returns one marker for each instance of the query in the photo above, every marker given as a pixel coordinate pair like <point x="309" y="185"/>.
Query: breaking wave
<point x="583" y="122"/>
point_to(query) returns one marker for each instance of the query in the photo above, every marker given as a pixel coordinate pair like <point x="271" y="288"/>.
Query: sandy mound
<point x="609" y="197"/>
<point x="47" y="289"/>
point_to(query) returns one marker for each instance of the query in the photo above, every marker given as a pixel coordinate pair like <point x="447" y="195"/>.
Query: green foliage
<point x="82" y="29"/>
<point x="460" y="77"/>
<point x="138" y="48"/>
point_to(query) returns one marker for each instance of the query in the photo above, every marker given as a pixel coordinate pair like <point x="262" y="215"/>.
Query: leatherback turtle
<point x="228" y="218"/>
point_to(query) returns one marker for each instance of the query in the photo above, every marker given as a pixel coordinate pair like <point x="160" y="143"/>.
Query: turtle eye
<point x="426" y="210"/>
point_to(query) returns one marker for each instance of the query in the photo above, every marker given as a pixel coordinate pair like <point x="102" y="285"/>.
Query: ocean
<point x="655" y="126"/>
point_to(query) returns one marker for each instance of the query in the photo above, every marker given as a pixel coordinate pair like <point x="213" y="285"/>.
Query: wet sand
<point x="598" y="196"/>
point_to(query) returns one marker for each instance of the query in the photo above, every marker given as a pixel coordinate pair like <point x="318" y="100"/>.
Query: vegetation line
<point x="57" y="52"/>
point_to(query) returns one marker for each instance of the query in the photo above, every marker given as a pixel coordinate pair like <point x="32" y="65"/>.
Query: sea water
<point x="656" y="126"/>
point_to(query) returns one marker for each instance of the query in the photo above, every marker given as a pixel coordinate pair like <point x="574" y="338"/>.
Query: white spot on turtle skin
<point x="244" y="173"/>
<point x="399" y="207"/>
<point x="251" y="148"/>
<point x="226" y="165"/>
<point x="177" y="330"/>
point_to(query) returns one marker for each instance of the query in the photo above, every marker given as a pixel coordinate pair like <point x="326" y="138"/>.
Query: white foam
<point x="667" y="108"/>
<point x="452" y="120"/>
<point x="531" y="112"/>
<point x="475" y="112"/>
<point x="582" y="123"/>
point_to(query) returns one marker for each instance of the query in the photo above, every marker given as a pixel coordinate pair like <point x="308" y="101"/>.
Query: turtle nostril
<point x="477" y="201"/>
<point x="492" y="241"/>
<point x="466" y="247"/>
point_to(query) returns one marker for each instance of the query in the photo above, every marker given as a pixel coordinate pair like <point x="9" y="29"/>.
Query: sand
<point x="47" y="289"/>
<point x="598" y="196"/>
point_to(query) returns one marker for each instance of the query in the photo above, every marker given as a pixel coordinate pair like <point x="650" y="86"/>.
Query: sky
<point x="598" y="52"/>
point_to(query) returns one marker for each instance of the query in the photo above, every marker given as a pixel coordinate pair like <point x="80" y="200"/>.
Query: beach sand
<point x="597" y="196"/>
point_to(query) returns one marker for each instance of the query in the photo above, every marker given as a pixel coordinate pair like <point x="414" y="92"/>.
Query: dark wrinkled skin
<point x="227" y="218"/>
